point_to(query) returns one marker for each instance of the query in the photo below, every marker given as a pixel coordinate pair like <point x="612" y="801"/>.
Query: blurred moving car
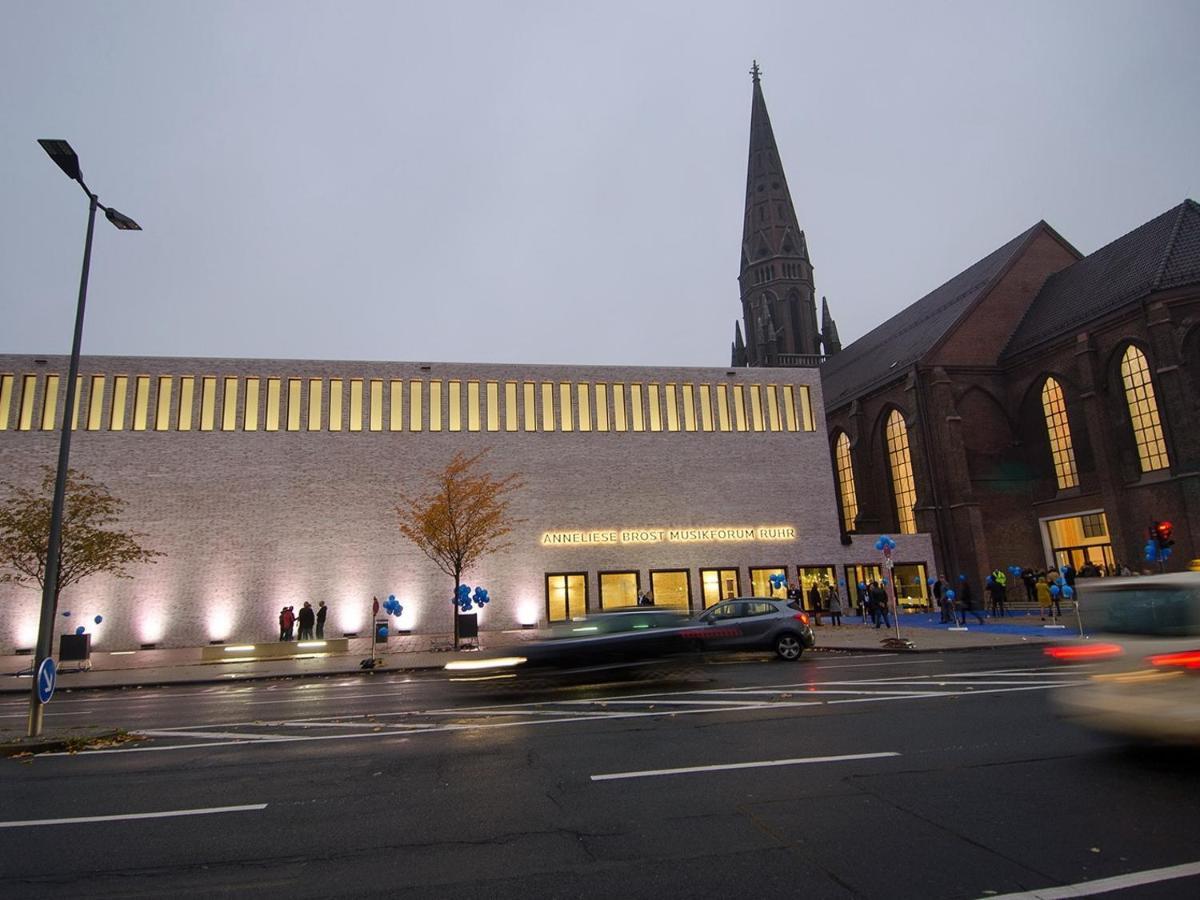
<point x="753" y="623"/>
<point x="1146" y="649"/>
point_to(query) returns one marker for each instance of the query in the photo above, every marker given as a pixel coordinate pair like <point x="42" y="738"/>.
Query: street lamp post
<point x="65" y="158"/>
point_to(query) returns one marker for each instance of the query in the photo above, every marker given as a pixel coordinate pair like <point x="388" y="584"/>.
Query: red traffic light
<point x="1162" y="533"/>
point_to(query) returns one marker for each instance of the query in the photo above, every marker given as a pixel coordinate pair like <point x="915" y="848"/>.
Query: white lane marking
<point x="1104" y="885"/>
<point x="209" y="735"/>
<point x="28" y="823"/>
<point x="747" y="765"/>
<point x="25" y="715"/>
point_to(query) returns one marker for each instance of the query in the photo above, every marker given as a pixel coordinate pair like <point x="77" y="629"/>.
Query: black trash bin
<point x="75" y="648"/>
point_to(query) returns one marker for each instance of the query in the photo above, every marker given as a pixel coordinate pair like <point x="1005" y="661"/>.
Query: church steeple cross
<point x="755" y="71"/>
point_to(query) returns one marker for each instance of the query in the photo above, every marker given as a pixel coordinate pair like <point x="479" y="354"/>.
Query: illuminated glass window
<point x="739" y="407"/>
<point x="376" y="419"/>
<point x="116" y="417"/>
<point x="187" y="399"/>
<point x="655" y="410"/>
<point x="635" y="405"/>
<point x="229" y="405"/>
<point x="250" y="413"/>
<point x="6" y="389"/>
<point x="789" y="407"/>
<point x="208" y="402"/>
<point x="337" y="391"/>
<point x="671" y="399"/>
<point x="356" y="404"/>
<point x="602" y="407"/>
<point x="273" y="391"/>
<point x="293" y="404"/>
<point x="618" y="589"/>
<point x="472" y="406"/>
<point x="566" y="596"/>
<point x="529" y="406"/>
<point x="414" y="405"/>
<point x="760" y="582"/>
<point x="718" y="584"/>
<point x="1143" y="411"/>
<point x="50" y="402"/>
<point x="689" y="408"/>
<point x="547" y="406"/>
<point x="904" y="488"/>
<point x="75" y="402"/>
<point x="773" y="421"/>
<point x="493" y="406"/>
<point x="619" y="422"/>
<point x="1058" y="429"/>
<point x="28" y="393"/>
<point x="95" y="406"/>
<point x="671" y="588"/>
<point x="706" y="417"/>
<point x="396" y="418"/>
<point x="314" y="404"/>
<point x="435" y="406"/>
<point x="511" y="414"/>
<point x="583" y="396"/>
<point x="723" y="407"/>
<point x="845" y="476"/>
<point x="455" y="398"/>
<point x="162" y="408"/>
<point x="141" y="402"/>
<point x="806" y="412"/>
<point x="756" y="410"/>
<point x="564" y="405"/>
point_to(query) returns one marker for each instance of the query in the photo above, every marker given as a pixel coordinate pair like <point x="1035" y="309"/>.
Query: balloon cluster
<point x="1015" y="571"/>
<point x="885" y="544"/>
<point x="80" y="629"/>
<point x="392" y="606"/>
<point x="464" y="599"/>
<point x="777" y="580"/>
<point x="1155" y="553"/>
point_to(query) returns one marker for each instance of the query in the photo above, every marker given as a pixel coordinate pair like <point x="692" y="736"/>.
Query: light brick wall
<point x="252" y="521"/>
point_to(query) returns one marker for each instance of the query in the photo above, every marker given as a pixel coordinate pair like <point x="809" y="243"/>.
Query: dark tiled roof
<point x="878" y="355"/>
<point x="1164" y="253"/>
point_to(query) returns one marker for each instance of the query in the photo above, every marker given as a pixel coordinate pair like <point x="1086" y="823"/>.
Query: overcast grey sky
<point x="554" y="182"/>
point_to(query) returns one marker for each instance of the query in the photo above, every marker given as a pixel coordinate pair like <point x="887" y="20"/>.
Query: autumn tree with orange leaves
<point x="463" y="518"/>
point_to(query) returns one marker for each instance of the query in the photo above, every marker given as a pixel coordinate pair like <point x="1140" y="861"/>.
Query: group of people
<point x="308" y="619"/>
<point x="1046" y="587"/>
<point x="822" y="597"/>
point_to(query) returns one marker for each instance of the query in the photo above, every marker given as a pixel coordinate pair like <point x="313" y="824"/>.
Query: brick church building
<point x="1037" y="408"/>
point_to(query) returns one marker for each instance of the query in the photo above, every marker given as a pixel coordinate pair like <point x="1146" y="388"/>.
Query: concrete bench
<point x="273" y="650"/>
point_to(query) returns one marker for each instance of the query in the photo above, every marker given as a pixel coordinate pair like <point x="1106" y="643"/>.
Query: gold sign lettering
<point x="713" y="534"/>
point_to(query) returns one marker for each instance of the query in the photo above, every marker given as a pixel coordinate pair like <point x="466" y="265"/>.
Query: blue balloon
<point x="950" y="595"/>
<point x="932" y="582"/>
<point x="98" y="619"/>
<point x="1054" y="590"/>
<point x="862" y="585"/>
<point x="80" y="630"/>
<point x="962" y="577"/>
<point x="383" y="631"/>
<point x="66" y="614"/>
<point x="1068" y="592"/>
<point x="842" y="582"/>
<point x="391" y="598"/>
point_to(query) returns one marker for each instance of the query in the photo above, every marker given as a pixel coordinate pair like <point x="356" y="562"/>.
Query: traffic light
<point x="1162" y="534"/>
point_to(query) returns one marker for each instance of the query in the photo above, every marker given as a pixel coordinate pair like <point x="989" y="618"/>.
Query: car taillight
<point x="802" y="617"/>
<point x="1186" y="659"/>
<point x="1076" y="652"/>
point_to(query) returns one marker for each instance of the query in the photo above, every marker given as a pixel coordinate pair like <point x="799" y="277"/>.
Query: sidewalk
<point x="145" y="668"/>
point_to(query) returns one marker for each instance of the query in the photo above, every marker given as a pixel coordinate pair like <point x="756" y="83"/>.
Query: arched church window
<point x="904" y="488"/>
<point x="845" y="476"/>
<point x="1058" y="429"/>
<point x="1143" y="411"/>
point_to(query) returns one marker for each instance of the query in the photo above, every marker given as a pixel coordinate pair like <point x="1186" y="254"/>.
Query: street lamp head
<point x="121" y="221"/>
<point x="62" y="154"/>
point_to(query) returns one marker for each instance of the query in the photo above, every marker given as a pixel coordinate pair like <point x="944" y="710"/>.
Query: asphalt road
<point x="931" y="776"/>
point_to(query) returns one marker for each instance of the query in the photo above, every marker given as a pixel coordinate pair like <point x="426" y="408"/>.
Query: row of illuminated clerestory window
<point x="232" y="403"/>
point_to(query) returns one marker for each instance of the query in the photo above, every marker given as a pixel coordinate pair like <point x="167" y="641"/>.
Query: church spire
<point x="829" y="336"/>
<point x="776" y="272"/>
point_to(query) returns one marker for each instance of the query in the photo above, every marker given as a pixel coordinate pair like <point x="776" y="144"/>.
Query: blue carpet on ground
<point x="1014" y="624"/>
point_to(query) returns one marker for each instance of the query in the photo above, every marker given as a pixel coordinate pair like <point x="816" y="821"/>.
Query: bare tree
<point x="90" y="541"/>
<point x="464" y="517"/>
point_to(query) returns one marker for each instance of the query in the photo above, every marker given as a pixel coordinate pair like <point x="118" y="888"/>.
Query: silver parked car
<point x="754" y="623"/>
<point x="1143" y="658"/>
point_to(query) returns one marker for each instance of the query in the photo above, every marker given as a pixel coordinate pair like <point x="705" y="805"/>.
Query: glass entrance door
<point x="566" y="595"/>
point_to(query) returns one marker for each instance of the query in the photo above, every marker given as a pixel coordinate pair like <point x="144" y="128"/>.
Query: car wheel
<point x="788" y="646"/>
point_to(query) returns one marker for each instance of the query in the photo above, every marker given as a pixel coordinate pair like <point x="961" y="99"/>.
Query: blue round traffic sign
<point x="47" y="674"/>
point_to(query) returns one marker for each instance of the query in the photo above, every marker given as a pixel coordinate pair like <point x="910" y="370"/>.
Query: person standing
<point x="939" y="594"/>
<point x="306" y="619"/>
<point x="999" y="592"/>
<point x="966" y="600"/>
<point x="322" y="612"/>
<point x="814" y="601"/>
<point x="880" y="599"/>
<point x="835" y="606"/>
<point x="289" y="622"/>
<point x="283" y="623"/>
